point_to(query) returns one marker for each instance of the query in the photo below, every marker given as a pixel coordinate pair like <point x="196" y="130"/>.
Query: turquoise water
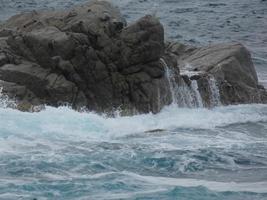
<point x="178" y="154"/>
<point x="194" y="154"/>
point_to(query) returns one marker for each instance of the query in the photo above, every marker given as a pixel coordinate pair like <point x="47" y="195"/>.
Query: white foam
<point x="169" y="76"/>
<point x="194" y="86"/>
<point x="215" y="93"/>
<point x="163" y="182"/>
<point x="183" y="95"/>
<point x="60" y="122"/>
<point x="5" y="101"/>
<point x="256" y="187"/>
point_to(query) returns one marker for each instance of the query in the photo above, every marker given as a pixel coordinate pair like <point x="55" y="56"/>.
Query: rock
<point x="230" y="64"/>
<point x="88" y="57"/>
<point x="85" y="57"/>
<point x="18" y="92"/>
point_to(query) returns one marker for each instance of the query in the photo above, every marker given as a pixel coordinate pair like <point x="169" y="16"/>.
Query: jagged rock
<point x="89" y="57"/>
<point x="230" y="64"/>
<point x="86" y="57"/>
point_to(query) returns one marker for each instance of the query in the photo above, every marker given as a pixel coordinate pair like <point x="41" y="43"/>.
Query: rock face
<point x="89" y="57"/>
<point x="84" y="57"/>
<point x="229" y="65"/>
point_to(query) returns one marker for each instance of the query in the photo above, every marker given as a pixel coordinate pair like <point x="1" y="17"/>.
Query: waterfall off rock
<point x="171" y="81"/>
<point x="194" y="86"/>
<point x="188" y="95"/>
<point x="215" y="93"/>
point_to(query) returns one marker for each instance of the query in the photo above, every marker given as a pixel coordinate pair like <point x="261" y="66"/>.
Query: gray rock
<point x="88" y="57"/>
<point x="231" y="66"/>
<point x="85" y="57"/>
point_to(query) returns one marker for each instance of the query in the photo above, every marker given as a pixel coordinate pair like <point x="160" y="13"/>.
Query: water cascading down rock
<point x="88" y="57"/>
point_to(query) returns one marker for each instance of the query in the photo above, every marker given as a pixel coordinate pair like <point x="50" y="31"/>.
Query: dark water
<point x="201" y="154"/>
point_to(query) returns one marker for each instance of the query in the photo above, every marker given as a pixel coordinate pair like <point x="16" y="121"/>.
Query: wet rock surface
<point x="88" y="57"/>
<point x="229" y="64"/>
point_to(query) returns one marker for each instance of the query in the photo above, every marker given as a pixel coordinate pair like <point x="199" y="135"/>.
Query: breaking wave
<point x="68" y="122"/>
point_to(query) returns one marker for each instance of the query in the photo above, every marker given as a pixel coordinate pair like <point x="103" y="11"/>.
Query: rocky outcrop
<point x="229" y="64"/>
<point x="85" y="57"/>
<point x="89" y="58"/>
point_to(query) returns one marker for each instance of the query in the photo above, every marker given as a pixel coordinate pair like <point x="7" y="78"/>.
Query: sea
<point x="180" y="153"/>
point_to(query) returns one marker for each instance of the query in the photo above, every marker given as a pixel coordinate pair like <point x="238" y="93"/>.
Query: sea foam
<point x="66" y="122"/>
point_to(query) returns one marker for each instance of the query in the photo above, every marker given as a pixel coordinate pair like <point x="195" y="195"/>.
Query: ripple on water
<point x="196" y="154"/>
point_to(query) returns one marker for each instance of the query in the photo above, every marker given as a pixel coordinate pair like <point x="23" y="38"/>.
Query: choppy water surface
<point x="199" y="154"/>
<point x="180" y="153"/>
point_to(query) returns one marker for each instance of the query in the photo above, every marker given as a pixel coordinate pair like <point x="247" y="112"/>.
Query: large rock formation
<point x="89" y="57"/>
<point x="229" y="65"/>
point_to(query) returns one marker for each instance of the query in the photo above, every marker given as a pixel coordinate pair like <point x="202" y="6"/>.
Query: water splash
<point x="170" y="78"/>
<point x="183" y="95"/>
<point x="5" y="101"/>
<point x="65" y="122"/>
<point x="215" y="93"/>
<point x="194" y="86"/>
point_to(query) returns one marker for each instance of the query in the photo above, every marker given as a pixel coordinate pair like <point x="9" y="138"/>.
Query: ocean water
<point x="179" y="153"/>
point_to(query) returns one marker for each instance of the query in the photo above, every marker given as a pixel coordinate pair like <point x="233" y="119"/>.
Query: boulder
<point x="89" y="58"/>
<point x="229" y="64"/>
<point x="86" y="57"/>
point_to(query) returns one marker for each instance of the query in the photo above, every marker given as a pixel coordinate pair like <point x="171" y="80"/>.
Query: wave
<point x="254" y="187"/>
<point x="100" y="157"/>
<point x="64" y="121"/>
